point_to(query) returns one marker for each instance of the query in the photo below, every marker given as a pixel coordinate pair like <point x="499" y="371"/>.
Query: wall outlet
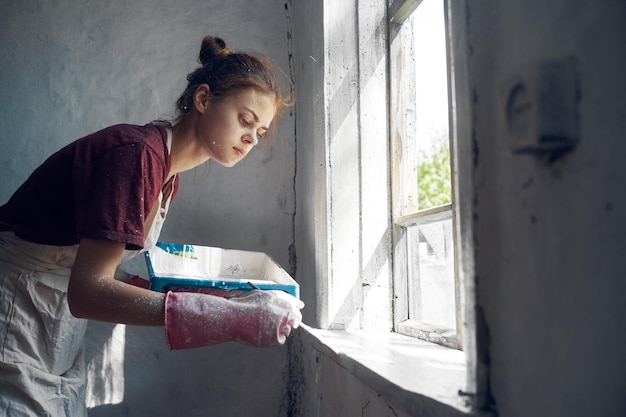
<point x="541" y="107"/>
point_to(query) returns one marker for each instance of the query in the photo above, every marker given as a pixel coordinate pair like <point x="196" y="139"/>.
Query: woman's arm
<point x="258" y="318"/>
<point x="93" y="293"/>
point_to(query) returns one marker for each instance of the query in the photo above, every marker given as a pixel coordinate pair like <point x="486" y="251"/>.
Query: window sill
<point x="429" y="333"/>
<point x="420" y="377"/>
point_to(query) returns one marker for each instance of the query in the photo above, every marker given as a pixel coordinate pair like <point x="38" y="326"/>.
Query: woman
<point x="102" y="199"/>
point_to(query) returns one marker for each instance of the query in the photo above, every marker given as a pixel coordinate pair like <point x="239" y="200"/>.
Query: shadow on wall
<point x="110" y="410"/>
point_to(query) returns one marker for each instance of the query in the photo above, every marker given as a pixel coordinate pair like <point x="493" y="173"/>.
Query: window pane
<point x="431" y="105"/>
<point x="433" y="275"/>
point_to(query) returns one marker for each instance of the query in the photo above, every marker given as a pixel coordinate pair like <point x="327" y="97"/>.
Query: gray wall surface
<point x="550" y="232"/>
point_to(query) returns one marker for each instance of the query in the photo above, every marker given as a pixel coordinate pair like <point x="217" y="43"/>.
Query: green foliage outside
<point x="433" y="179"/>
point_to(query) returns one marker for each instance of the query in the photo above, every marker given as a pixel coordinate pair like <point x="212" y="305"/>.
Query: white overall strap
<point x="151" y="236"/>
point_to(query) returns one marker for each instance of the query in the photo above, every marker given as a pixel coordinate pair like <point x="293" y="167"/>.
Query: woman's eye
<point x="244" y="121"/>
<point x="260" y="136"/>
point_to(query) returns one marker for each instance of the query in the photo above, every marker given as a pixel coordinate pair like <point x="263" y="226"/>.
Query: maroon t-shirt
<point x="101" y="186"/>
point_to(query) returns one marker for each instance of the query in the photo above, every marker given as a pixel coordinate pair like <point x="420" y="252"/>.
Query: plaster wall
<point x="312" y="203"/>
<point x="331" y="390"/>
<point x="549" y="232"/>
<point x="69" y="68"/>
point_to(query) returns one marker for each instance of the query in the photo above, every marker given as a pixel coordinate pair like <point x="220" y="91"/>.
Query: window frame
<point x="405" y="213"/>
<point x="349" y="89"/>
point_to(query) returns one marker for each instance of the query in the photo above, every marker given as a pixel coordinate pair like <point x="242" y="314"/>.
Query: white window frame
<point x="405" y="214"/>
<point x="462" y="161"/>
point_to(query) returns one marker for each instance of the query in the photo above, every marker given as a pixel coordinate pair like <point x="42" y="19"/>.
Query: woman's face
<point x="231" y="126"/>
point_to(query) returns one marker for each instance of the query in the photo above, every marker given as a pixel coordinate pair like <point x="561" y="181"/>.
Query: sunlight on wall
<point x="106" y="375"/>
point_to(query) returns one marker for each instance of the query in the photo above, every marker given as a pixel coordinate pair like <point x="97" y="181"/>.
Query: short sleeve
<point x="114" y="193"/>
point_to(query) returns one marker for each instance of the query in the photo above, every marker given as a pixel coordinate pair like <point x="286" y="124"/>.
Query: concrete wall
<point x="549" y="232"/>
<point x="311" y="180"/>
<point x="71" y="67"/>
<point x="328" y="389"/>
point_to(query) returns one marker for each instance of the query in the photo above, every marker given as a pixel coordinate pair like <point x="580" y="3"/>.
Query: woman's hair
<point x="225" y="71"/>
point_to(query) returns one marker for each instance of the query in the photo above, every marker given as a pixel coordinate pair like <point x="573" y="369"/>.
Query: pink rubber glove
<point x="258" y="318"/>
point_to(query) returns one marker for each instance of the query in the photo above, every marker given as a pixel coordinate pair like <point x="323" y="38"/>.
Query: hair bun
<point x="211" y="49"/>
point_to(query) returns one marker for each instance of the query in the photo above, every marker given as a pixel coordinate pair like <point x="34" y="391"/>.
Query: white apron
<point x="42" y="367"/>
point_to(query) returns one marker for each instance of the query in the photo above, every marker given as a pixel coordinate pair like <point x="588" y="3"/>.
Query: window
<point x="426" y="285"/>
<point x="365" y="243"/>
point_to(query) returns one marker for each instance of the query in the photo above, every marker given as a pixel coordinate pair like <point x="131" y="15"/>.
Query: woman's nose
<point x="251" y="137"/>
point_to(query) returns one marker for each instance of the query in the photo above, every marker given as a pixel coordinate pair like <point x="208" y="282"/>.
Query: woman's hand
<point x="256" y="318"/>
<point x="93" y="292"/>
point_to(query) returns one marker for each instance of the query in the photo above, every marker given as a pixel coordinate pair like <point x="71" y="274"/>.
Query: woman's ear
<point x="201" y="97"/>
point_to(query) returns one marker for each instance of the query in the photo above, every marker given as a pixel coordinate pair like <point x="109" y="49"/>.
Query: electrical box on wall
<point x="541" y="107"/>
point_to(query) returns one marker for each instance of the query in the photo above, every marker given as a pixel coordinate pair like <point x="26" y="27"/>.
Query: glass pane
<point x="431" y="98"/>
<point x="433" y="281"/>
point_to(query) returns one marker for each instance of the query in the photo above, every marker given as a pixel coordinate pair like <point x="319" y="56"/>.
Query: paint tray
<point x="173" y="265"/>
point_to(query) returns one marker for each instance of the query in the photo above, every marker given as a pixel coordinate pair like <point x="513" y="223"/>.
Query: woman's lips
<point x="239" y="152"/>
